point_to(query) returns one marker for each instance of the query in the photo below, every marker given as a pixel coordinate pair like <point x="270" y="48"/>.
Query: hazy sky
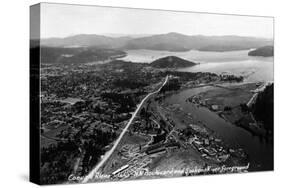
<point x="58" y="20"/>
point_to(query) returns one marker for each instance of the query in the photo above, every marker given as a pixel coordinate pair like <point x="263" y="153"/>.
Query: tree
<point x="227" y="108"/>
<point x="244" y="107"/>
<point x="142" y="112"/>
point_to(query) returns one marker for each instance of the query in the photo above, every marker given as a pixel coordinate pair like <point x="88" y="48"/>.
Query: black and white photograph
<point x="132" y="94"/>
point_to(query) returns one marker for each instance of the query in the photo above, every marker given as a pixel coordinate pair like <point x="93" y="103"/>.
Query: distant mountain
<point x="60" y="55"/>
<point x="171" y="62"/>
<point x="180" y="42"/>
<point x="125" y="35"/>
<point x="165" y="42"/>
<point x="265" y="51"/>
<point x="86" y="40"/>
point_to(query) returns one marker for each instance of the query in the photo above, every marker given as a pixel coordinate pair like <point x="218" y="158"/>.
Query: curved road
<point x="109" y="153"/>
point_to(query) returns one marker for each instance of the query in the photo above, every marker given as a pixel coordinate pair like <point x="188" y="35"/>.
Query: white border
<point x="14" y="76"/>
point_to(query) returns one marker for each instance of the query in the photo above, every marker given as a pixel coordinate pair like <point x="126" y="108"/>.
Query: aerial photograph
<point x="131" y="94"/>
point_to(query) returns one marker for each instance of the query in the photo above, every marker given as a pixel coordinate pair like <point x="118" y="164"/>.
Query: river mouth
<point x="253" y="69"/>
<point x="259" y="151"/>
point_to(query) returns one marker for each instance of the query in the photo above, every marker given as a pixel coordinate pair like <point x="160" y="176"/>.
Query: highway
<point x="110" y="152"/>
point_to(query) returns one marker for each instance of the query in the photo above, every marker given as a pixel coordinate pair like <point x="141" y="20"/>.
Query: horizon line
<point x="148" y="35"/>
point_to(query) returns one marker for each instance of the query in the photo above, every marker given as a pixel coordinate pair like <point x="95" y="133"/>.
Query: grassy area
<point x="229" y="102"/>
<point x="229" y="96"/>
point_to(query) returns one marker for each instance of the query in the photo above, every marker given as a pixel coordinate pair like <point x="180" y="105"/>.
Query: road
<point x="109" y="153"/>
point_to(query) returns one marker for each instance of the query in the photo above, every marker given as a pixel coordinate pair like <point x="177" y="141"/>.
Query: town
<point x="85" y="107"/>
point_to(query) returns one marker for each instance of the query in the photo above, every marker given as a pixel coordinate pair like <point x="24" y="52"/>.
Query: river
<point x="259" y="150"/>
<point x="254" y="69"/>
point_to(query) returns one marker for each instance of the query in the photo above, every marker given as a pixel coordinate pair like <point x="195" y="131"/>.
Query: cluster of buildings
<point x="210" y="148"/>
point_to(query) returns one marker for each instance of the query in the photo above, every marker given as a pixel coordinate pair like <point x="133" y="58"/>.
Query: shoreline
<point x="257" y="137"/>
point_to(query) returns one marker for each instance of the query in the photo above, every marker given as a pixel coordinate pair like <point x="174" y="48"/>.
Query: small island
<point x="171" y="62"/>
<point x="265" y="51"/>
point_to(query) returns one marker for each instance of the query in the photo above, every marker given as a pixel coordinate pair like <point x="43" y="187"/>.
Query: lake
<point x="233" y="62"/>
<point x="254" y="69"/>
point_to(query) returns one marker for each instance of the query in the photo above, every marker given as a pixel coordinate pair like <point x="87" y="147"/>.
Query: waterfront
<point x="232" y="62"/>
<point x="259" y="150"/>
<point x="253" y="69"/>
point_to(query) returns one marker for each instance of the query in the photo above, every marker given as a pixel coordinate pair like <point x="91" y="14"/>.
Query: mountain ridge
<point x="164" y="42"/>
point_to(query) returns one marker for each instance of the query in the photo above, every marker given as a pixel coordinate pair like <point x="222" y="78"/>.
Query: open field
<point x="230" y="103"/>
